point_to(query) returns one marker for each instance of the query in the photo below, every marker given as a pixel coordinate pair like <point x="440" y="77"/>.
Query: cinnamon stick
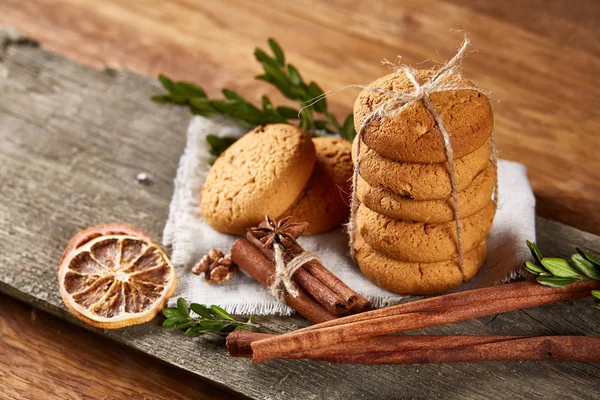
<point x="419" y="314"/>
<point x="316" y="280"/>
<point x="239" y="344"/>
<point x="449" y="301"/>
<point x="544" y="348"/>
<point x="440" y="349"/>
<point x="251" y="260"/>
<point x="361" y="305"/>
<point x="349" y="296"/>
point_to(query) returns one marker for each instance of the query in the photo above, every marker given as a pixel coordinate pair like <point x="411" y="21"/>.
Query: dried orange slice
<point x="114" y="276"/>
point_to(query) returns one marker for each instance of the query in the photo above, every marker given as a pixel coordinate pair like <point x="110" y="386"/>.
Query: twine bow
<point x="281" y="236"/>
<point x="284" y="272"/>
<point x="448" y="77"/>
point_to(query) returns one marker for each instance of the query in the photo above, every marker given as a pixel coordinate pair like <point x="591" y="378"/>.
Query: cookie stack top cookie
<point x="413" y="135"/>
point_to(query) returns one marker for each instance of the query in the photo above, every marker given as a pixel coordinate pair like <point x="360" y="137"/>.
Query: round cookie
<point x="476" y="196"/>
<point x="413" y="135"/>
<point x="419" y="242"/>
<point x="262" y="173"/>
<point x="420" y="181"/>
<point x="416" y="278"/>
<point x="324" y="203"/>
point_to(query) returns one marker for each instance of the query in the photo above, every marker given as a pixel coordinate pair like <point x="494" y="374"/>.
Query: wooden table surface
<point x="539" y="59"/>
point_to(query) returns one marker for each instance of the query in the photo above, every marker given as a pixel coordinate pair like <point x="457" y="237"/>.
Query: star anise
<point x="283" y="232"/>
<point x="216" y="266"/>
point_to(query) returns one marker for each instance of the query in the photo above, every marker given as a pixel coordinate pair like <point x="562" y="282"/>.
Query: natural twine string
<point x="447" y="78"/>
<point x="283" y="282"/>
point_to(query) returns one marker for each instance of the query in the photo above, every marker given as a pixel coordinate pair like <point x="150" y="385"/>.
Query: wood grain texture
<point x="74" y="138"/>
<point x="539" y="59"/>
<point x="42" y="357"/>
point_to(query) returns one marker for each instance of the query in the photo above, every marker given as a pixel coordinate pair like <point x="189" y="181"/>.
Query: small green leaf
<point x="271" y="116"/>
<point x="276" y="74"/>
<point x="198" y="330"/>
<point x="596" y="294"/>
<point x="277" y="52"/>
<point x="236" y="108"/>
<point x="189" y="89"/>
<point x="203" y="113"/>
<point x="221" y="313"/>
<point x="170" y="322"/>
<point x="559" y="267"/>
<point x="348" y="128"/>
<point x="201" y="310"/>
<point x="263" y="77"/>
<point x="219" y="144"/>
<point x="178" y="98"/>
<point x="261" y="56"/>
<point x="315" y="91"/>
<point x="202" y="104"/>
<point x="194" y="332"/>
<point x="186" y="323"/>
<point x="167" y="83"/>
<point x="232" y="95"/>
<point x="161" y="98"/>
<point x="288" y="112"/>
<point x="210" y="323"/>
<point x="590" y="257"/>
<point x="266" y="103"/>
<point x="556" y="282"/>
<point x="534" y="269"/>
<point x="535" y="252"/>
<point x="223" y="106"/>
<point x="295" y="77"/>
<point x="585" y="267"/>
<point x="171" y="312"/>
<point x="296" y="93"/>
<point x="323" y="125"/>
<point x="182" y="307"/>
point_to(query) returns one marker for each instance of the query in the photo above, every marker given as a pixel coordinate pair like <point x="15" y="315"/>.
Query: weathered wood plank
<point x="73" y="140"/>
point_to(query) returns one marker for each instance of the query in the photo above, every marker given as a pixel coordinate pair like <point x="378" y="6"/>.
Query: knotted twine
<point x="284" y="272"/>
<point x="448" y="77"/>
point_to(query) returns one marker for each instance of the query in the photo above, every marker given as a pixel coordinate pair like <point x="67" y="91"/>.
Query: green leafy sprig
<point x="288" y="80"/>
<point x="205" y="319"/>
<point x="558" y="272"/>
<point x="277" y="72"/>
<point x="233" y="105"/>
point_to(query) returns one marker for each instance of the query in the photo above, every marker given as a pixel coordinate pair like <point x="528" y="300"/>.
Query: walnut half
<point x="216" y="266"/>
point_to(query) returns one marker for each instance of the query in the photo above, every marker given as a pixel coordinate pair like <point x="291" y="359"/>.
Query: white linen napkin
<point x="191" y="238"/>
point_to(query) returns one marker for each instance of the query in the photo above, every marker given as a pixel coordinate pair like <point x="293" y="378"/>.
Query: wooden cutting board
<point x="74" y="139"/>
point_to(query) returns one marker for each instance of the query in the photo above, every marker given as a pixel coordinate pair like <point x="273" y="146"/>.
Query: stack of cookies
<point x="406" y="235"/>
<point x="278" y="170"/>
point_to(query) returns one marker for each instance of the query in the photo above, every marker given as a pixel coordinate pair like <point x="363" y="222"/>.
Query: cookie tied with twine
<point x="445" y="78"/>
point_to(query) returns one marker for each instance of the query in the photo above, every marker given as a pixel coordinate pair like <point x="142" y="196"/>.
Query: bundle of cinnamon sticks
<point x="321" y="296"/>
<point x="363" y="338"/>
